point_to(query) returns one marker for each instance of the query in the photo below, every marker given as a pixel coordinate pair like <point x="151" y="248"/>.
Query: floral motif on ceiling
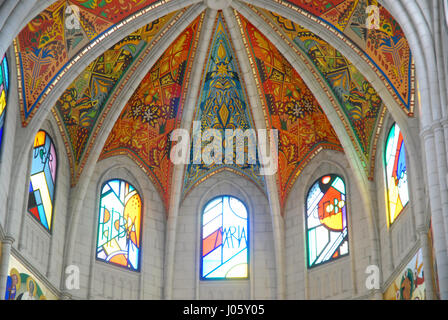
<point x="155" y="109"/>
<point x="291" y="108"/>
<point x="49" y="42"/>
<point x="359" y="101"/>
<point x="385" y="46"/>
<point x="82" y="104"/>
<point x="222" y="105"/>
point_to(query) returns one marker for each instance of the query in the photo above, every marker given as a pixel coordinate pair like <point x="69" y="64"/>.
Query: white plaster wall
<point x="261" y="283"/>
<point x="343" y="278"/>
<point x="100" y="280"/>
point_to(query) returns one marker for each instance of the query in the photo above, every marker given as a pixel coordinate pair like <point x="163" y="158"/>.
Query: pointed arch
<point x="222" y="106"/>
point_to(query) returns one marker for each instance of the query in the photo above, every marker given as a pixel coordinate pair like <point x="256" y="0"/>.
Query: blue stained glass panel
<point x="4" y="85"/>
<point x="224" y="240"/>
<point x="119" y="225"/>
<point x="396" y="173"/>
<point x="42" y="180"/>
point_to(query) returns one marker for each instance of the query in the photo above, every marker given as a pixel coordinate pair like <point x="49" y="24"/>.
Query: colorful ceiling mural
<point x="67" y="30"/>
<point x="155" y="109"/>
<point x="291" y="108"/>
<point x="49" y="42"/>
<point x="80" y="107"/>
<point x="378" y="36"/>
<point x="360" y="103"/>
<point x="222" y="105"/>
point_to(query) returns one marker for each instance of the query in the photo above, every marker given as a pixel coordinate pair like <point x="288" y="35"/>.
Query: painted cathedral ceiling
<point x="45" y="50"/>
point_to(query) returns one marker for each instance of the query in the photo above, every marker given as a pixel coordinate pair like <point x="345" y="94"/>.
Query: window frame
<point x="6" y="82"/>
<point x="248" y="235"/>
<point x="307" y="247"/>
<point x="387" y="178"/>
<point x="446" y="12"/>
<point x="50" y="229"/>
<point x="97" y="219"/>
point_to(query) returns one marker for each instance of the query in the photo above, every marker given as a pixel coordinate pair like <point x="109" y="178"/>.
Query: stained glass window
<point x="326" y="220"/>
<point x="119" y="225"/>
<point x="225" y="238"/>
<point x="396" y="173"/>
<point x="4" y="86"/>
<point x="43" y="179"/>
<point x="446" y="12"/>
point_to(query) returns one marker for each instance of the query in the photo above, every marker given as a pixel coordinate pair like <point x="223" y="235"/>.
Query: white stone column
<point x="178" y="170"/>
<point x="4" y="264"/>
<point x="433" y="191"/>
<point x="427" y="263"/>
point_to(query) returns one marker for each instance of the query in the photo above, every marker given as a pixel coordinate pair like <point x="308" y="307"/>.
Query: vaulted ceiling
<point x="275" y="37"/>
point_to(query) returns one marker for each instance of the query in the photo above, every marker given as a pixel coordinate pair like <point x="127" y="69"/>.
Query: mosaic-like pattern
<point x="113" y="11"/>
<point x="358" y="99"/>
<point x="291" y="108"/>
<point x="322" y="8"/>
<point x="379" y="37"/>
<point x="54" y="37"/>
<point x="83" y="102"/>
<point x="143" y="129"/>
<point x="222" y="105"/>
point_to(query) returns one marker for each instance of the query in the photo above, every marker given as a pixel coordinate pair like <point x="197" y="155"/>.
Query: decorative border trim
<point x="369" y="170"/>
<point x="299" y="168"/>
<point x="409" y="108"/>
<point x="74" y="170"/>
<point x="185" y="85"/>
<point x="66" y="67"/>
<point x="185" y="192"/>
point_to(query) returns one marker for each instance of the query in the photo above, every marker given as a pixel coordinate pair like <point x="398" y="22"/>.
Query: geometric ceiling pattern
<point x="290" y="107"/>
<point x="358" y="100"/>
<point x="385" y="47"/>
<point x="222" y="105"/>
<point x="49" y="42"/>
<point x="155" y="109"/>
<point x="80" y="106"/>
<point x="68" y="29"/>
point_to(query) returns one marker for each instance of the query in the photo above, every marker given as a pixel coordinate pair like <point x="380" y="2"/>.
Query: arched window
<point x="224" y="240"/>
<point x="396" y="173"/>
<point x="119" y="225"/>
<point x="326" y="220"/>
<point x="43" y="180"/>
<point x="4" y="86"/>
<point x="446" y="12"/>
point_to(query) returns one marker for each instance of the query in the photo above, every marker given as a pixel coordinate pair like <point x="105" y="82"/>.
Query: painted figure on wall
<point x="410" y="284"/>
<point x="22" y="286"/>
